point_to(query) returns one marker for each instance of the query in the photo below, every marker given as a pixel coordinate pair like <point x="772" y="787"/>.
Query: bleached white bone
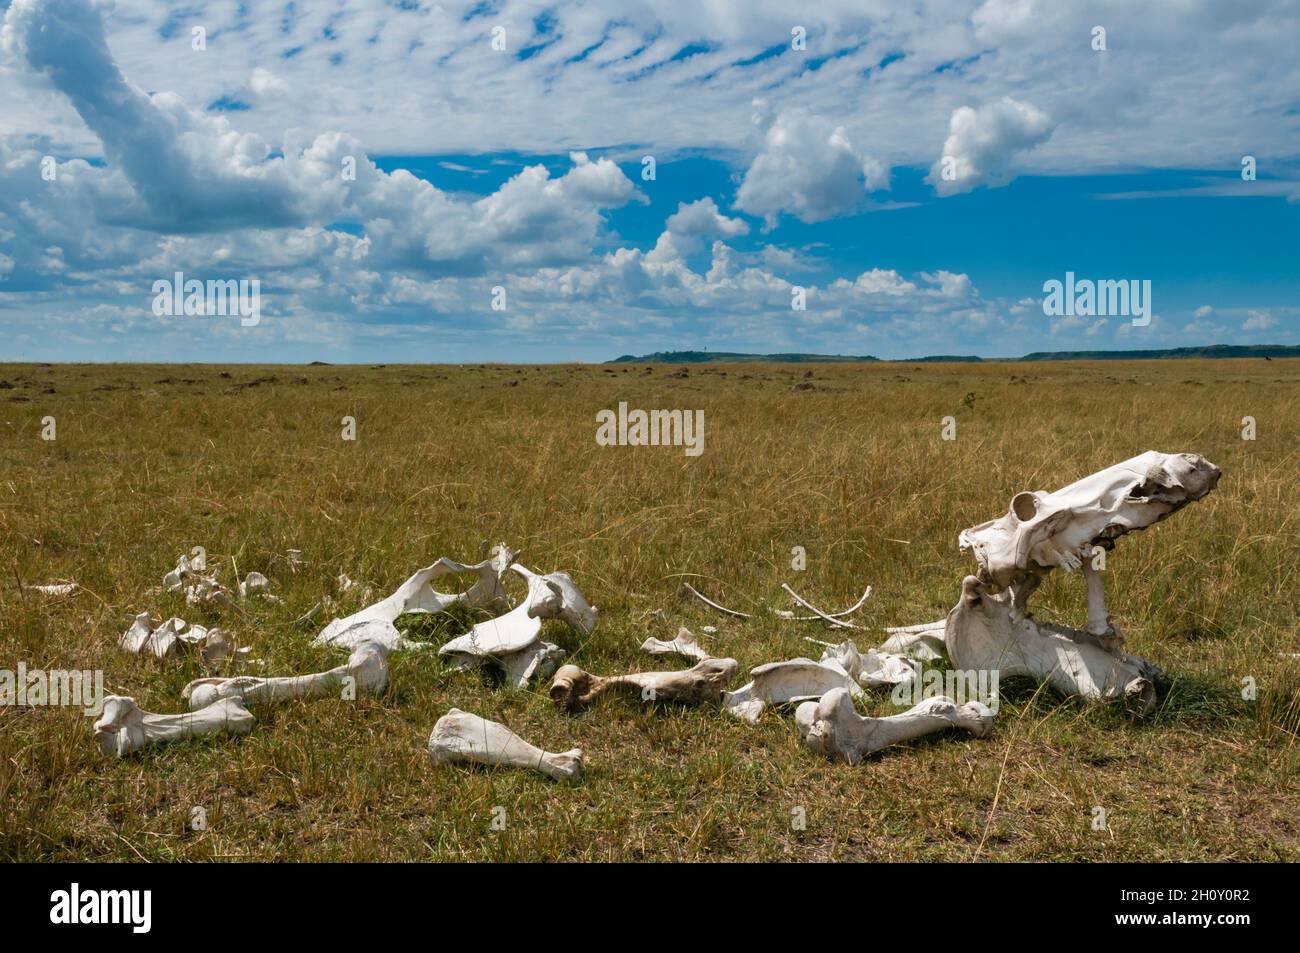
<point x="709" y="602"/>
<point x="924" y="642"/>
<point x="55" y="589"/>
<point x="460" y="736"/>
<point x="831" y="726"/>
<point x="213" y="645"/>
<point x="1041" y="531"/>
<point x="417" y="595"/>
<point x="817" y="613"/>
<point x="142" y="638"/>
<point x="873" y="668"/>
<point x="124" y="727"/>
<point x="984" y="634"/>
<point x="780" y="683"/>
<point x="991" y="627"/>
<point x="513" y="640"/>
<point x="685" y="643"/>
<point x="572" y="689"/>
<point x="254" y="583"/>
<point x="785" y="614"/>
<point x="367" y="667"/>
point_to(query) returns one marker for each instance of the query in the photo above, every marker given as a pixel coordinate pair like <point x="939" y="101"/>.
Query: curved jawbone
<point x="983" y="633"/>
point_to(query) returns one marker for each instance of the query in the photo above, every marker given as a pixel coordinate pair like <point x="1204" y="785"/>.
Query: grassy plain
<point x="150" y="461"/>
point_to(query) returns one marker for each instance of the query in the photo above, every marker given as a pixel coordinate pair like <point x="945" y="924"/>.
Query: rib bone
<point x="573" y="689"/>
<point x="367" y="667"/>
<point x="832" y="727"/>
<point x="124" y="727"/>
<point x="460" y="736"/>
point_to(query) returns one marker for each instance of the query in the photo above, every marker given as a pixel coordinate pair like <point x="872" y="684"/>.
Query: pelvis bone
<point x="375" y="622"/>
<point x="124" y="727"/>
<point x="366" y="668"/>
<point x="513" y="641"/>
<point x="573" y="689"/>
<point x="460" y="736"/>
<point x="831" y="725"/>
<point x="780" y="683"/>
<point x="991" y="627"/>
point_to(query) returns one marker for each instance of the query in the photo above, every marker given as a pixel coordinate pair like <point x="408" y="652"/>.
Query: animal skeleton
<point x="991" y="627"/>
<point x="124" y="727"/>
<point x="367" y="667"/>
<point x="460" y="736"/>
<point x="831" y="726"/>
<point x="573" y="689"/>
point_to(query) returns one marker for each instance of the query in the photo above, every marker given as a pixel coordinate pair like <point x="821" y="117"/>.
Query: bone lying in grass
<point x="831" y="726"/>
<point x="873" y="668"/>
<point x="54" y="589"/>
<point x="213" y="645"/>
<point x="923" y="642"/>
<point x="417" y="595"/>
<point x="573" y="689"/>
<point x="124" y="727"/>
<point x="991" y="627"/>
<point x="684" y="644"/>
<point x="366" y="671"/>
<point x="709" y="602"/>
<point x="513" y="641"/>
<point x="780" y="683"/>
<point x="833" y="617"/>
<point x="818" y="614"/>
<point x="460" y="736"/>
<point x="984" y="634"/>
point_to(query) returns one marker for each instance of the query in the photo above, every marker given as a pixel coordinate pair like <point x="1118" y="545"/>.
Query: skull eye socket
<point x="1024" y="506"/>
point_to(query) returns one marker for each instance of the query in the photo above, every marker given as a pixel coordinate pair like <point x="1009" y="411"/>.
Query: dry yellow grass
<point x="150" y="461"/>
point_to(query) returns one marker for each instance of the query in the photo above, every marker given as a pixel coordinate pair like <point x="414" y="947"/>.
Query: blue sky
<point x="918" y="174"/>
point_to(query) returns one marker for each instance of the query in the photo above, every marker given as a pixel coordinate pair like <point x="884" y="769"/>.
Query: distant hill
<point x="707" y="357"/>
<point x="1211" y="351"/>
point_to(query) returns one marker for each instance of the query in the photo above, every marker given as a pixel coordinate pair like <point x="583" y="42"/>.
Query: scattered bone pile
<point x="990" y="629"/>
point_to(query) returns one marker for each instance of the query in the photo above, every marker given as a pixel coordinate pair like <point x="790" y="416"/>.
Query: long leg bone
<point x="831" y="726"/>
<point x="418" y="595"/>
<point x="460" y="736"/>
<point x="367" y="667"/>
<point x="124" y="727"/>
<point x="684" y="644"/>
<point x="573" y="689"/>
<point x="779" y="683"/>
